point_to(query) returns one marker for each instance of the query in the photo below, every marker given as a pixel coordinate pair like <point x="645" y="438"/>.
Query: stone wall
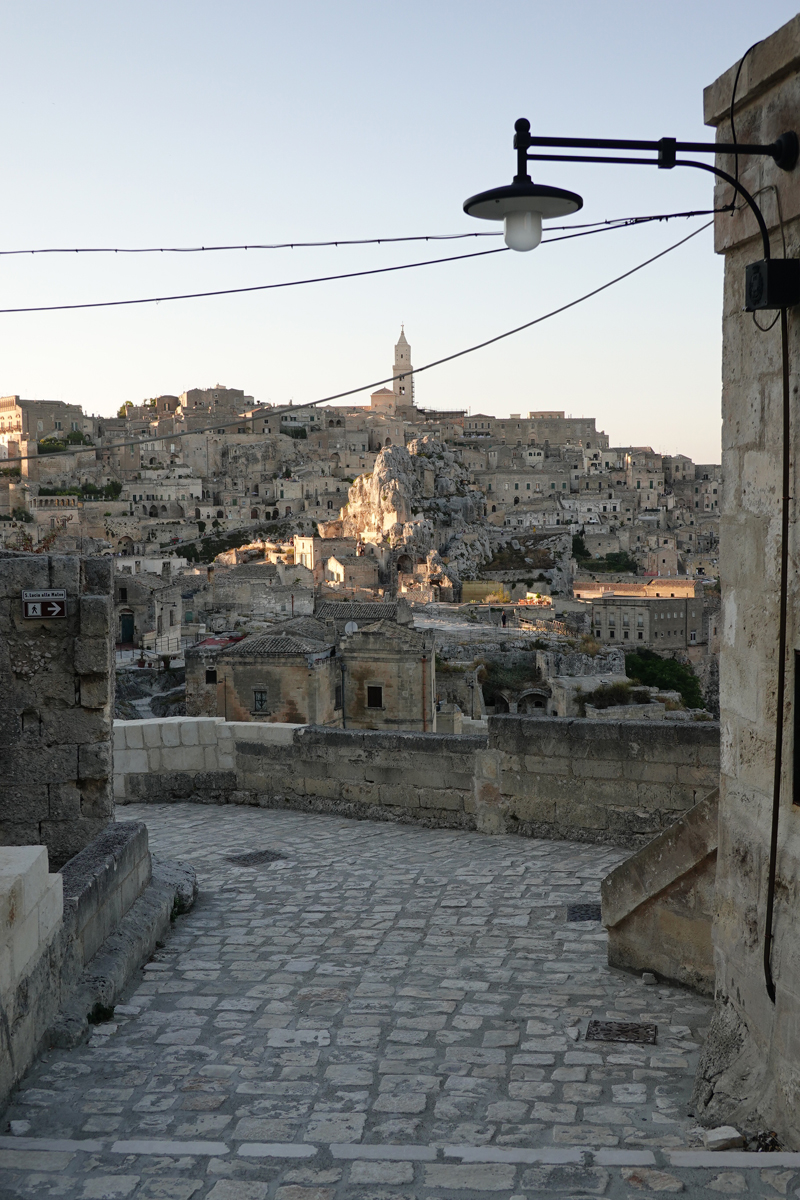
<point x="750" y="1073"/>
<point x="56" y="692"/>
<point x="53" y="928"/>
<point x="658" y="905"/>
<point x="602" y="782"/>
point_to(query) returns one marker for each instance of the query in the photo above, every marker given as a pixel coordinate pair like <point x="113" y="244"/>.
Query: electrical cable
<point x="260" y="287"/>
<point x="368" y="387"/>
<point x="605" y="227"/>
<point x="780" y="715"/>
<point x="733" y="103"/>
<point x="426" y="237"/>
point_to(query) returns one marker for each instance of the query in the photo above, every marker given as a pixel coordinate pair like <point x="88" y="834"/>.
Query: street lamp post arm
<point x="743" y="192"/>
<point x="784" y="150"/>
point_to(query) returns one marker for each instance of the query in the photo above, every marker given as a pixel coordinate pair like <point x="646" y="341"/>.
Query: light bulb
<point x="522" y="230"/>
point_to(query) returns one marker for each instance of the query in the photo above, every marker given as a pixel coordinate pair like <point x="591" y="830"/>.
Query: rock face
<point x="420" y="501"/>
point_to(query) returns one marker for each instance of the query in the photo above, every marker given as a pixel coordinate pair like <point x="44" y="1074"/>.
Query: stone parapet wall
<point x="51" y="929"/>
<point x="601" y="781"/>
<point x="620" y="783"/>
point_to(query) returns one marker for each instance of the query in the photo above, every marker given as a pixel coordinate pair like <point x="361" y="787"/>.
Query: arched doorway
<point x="220" y="514"/>
<point x="153" y="511"/>
<point x="254" y="514"/>
<point x="275" y="514"/>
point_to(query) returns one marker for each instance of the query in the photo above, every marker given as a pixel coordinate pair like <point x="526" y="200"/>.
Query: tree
<point x="647" y="668"/>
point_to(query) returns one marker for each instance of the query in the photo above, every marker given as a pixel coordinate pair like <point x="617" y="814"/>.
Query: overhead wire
<point x="422" y="237"/>
<point x="600" y="227"/>
<point x="367" y="387"/>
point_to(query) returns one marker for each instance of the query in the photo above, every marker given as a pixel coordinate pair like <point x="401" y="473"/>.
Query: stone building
<point x="665" y="623"/>
<point x="277" y="677"/>
<point x="390" y="678"/>
<point x="750" y="1070"/>
<point x="148" y="604"/>
<point x="353" y="570"/>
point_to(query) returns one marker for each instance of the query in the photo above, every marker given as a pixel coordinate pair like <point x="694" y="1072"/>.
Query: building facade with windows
<point x="658" y="623"/>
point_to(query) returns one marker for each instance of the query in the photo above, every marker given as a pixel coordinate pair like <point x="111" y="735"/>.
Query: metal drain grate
<point x="583" y="912"/>
<point x="621" y="1031"/>
<point x="254" y="858"/>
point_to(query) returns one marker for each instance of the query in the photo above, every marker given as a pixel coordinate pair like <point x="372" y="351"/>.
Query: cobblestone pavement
<point x="386" y="1013"/>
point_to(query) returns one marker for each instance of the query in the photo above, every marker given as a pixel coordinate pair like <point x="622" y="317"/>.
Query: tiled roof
<point x="271" y="645"/>
<point x="343" y="610"/>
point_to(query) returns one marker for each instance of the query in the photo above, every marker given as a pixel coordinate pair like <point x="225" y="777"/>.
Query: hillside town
<point x="399" y="799"/>
<point x="467" y="539"/>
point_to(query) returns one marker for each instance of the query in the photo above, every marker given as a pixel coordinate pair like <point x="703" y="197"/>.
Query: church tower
<point x="402" y="383"/>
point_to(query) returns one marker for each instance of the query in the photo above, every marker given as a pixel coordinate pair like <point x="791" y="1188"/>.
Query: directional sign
<point x="44" y="605"/>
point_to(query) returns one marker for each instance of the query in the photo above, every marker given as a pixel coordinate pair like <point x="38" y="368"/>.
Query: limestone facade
<point x="750" y="1071"/>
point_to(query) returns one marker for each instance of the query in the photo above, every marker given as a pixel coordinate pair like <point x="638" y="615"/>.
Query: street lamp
<point x="522" y="205"/>
<point x="769" y="284"/>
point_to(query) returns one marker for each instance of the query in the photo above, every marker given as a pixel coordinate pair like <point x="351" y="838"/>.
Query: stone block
<point x="95" y="691"/>
<point x="94" y="761"/>
<point x="92" y="656"/>
<point x="152" y="734"/>
<point x="98" y="575"/>
<point x="59" y="725"/>
<point x="65" y="801"/>
<point x="21" y="804"/>
<point x="135" y="762"/>
<point x="50" y="909"/>
<point x="134" y="738"/>
<point x="440" y="798"/>
<point x="118" y="736"/>
<point x="23" y="881"/>
<point x="95" y="616"/>
<point x="207" y="732"/>
<point x="577" y="816"/>
<point x="29" y="573"/>
<point x="154" y="760"/>
<point x="170" y="732"/>
<point x="598" y="768"/>
<point x="189" y="732"/>
<point x="650" y="772"/>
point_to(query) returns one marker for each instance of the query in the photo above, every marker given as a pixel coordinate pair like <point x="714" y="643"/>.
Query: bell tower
<point x="403" y="381"/>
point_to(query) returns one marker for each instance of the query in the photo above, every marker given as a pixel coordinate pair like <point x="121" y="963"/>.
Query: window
<point x="337" y="696"/>
<point x="597" y="633"/>
<point x="57" y="424"/>
<point x="211" y="674"/>
<point x="374" y="696"/>
<point x="640" y="635"/>
<point x="260" y="703"/>
<point x="123" y="595"/>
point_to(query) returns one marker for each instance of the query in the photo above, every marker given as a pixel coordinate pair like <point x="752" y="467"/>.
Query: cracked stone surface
<point x="384" y="1012"/>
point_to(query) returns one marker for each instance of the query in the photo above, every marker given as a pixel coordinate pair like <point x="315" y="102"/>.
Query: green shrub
<point x="646" y="667"/>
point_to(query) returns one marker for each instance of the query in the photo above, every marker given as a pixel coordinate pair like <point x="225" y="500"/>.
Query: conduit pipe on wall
<point x="781" y="691"/>
<point x="424" y="693"/>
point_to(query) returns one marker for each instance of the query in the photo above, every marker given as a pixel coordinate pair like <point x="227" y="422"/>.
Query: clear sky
<point x="189" y="123"/>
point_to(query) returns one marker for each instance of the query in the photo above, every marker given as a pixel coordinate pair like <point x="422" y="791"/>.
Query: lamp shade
<point x="497" y="203"/>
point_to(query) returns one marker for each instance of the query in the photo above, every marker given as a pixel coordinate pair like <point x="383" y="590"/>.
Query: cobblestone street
<point x="382" y="1012"/>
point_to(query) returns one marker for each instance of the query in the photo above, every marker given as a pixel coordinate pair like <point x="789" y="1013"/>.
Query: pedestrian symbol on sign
<point x="46" y="604"/>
